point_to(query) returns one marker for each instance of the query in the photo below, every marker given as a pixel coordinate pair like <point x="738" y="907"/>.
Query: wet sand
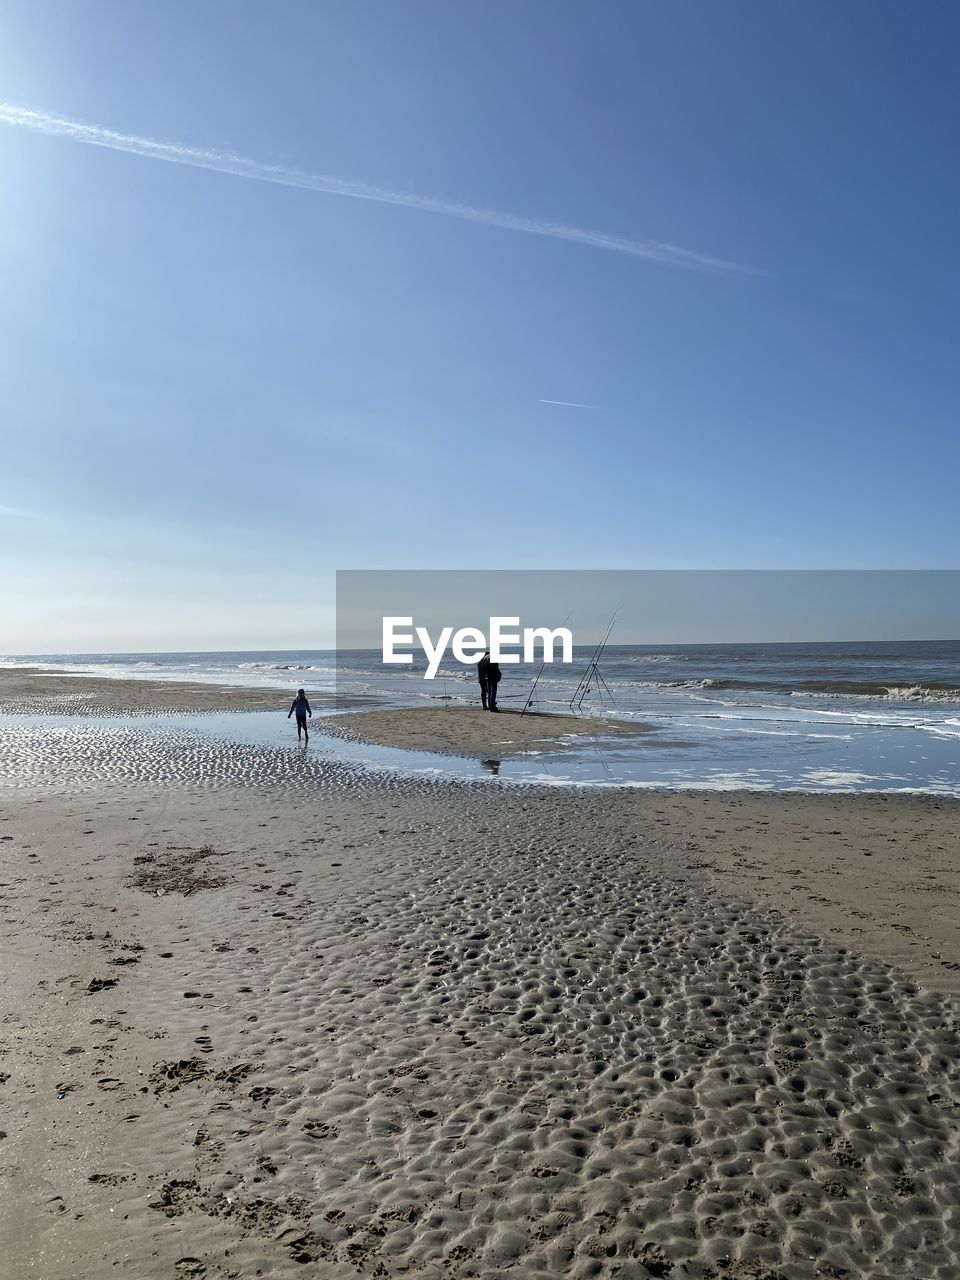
<point x="471" y="731"/>
<point x="34" y="691"/>
<point x="293" y="1018"/>
<point x="876" y="872"/>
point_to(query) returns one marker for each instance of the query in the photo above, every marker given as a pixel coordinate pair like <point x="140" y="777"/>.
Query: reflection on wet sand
<point x="85" y="755"/>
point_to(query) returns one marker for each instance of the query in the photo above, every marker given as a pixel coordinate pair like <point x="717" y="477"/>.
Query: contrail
<point x="568" y="404"/>
<point x="667" y="255"/>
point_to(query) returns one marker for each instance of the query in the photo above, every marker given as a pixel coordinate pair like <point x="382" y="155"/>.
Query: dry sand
<point x="350" y="1026"/>
<point x="876" y="872"/>
<point x="471" y="731"/>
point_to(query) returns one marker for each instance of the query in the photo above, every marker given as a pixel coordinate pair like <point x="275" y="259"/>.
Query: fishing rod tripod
<point x="592" y="677"/>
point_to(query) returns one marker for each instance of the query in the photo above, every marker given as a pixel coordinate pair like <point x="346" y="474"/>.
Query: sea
<point x="851" y="716"/>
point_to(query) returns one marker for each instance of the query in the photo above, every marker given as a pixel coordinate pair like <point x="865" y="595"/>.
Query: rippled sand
<point x="326" y="1023"/>
<point x="879" y="873"/>
<point x="87" y="756"/>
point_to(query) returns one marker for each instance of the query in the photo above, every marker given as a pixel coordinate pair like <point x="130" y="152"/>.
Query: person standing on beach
<point x="301" y="707"/>
<point x="493" y="679"/>
<point x="483" y="667"/>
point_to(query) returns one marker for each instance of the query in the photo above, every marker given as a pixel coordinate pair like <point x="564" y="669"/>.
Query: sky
<point x="315" y="286"/>
<point x="653" y="606"/>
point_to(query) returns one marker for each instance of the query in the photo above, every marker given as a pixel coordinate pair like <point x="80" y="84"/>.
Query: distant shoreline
<point x="40" y="691"/>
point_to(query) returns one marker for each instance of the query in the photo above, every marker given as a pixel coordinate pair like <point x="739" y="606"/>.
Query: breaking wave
<point x="282" y="666"/>
<point x="880" y="692"/>
<point x="934" y="691"/>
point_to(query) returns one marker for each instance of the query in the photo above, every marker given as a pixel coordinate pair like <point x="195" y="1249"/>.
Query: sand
<point x="880" y="873"/>
<point x="33" y="691"/>
<point x="284" y="1020"/>
<point x="473" y="732"/>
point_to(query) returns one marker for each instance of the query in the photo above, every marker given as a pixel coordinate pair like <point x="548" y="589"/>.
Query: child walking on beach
<point x="301" y="706"/>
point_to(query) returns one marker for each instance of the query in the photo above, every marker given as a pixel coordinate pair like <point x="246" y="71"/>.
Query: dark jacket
<point x="483" y="669"/>
<point x="493" y="673"/>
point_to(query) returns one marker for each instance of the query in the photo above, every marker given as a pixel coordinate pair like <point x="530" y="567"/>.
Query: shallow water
<point x="853" y="716"/>
<point x="261" y="749"/>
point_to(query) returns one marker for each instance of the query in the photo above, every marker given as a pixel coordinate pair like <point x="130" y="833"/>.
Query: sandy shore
<point x="471" y="731"/>
<point x="393" y="1029"/>
<point x="342" y="1025"/>
<point x="33" y="691"/>
<point x="877" y="873"/>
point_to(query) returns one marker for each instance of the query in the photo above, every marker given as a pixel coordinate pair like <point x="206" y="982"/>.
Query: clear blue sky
<point x="217" y="390"/>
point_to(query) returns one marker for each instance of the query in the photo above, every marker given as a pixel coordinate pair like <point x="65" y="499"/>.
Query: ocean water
<point x="850" y="716"/>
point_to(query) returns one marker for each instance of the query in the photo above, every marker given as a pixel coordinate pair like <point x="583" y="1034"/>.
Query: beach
<point x="344" y="1023"/>
<point x="28" y="690"/>
<point x="373" y="369"/>
<point x="461" y="731"/>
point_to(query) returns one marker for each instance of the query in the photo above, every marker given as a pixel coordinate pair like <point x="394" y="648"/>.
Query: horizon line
<point x="623" y="644"/>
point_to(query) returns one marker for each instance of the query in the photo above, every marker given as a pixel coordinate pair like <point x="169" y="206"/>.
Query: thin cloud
<point x="668" y="255"/>
<point x="568" y="404"/>
<point x="16" y="513"/>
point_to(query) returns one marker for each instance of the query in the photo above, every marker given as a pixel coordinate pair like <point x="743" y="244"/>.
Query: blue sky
<point x="218" y="389"/>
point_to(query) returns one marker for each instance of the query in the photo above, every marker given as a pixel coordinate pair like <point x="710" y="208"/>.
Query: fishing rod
<point x="592" y="671"/>
<point x="533" y="688"/>
<point x="592" y="661"/>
